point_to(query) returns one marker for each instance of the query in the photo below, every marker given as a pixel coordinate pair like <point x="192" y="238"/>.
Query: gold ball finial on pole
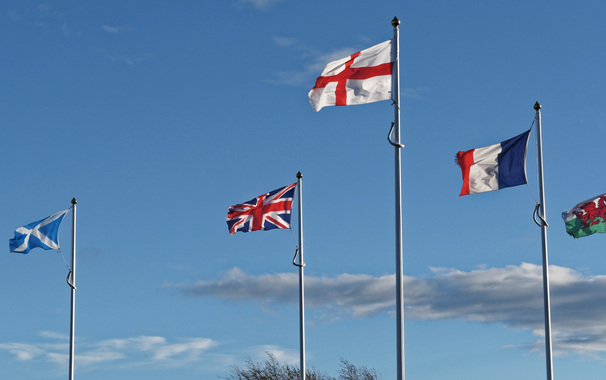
<point x="537" y="106"/>
<point x="74" y="201"/>
<point x="395" y="22"/>
<point x="299" y="175"/>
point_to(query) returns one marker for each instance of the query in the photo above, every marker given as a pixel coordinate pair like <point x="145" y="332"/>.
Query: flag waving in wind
<point x="265" y="212"/>
<point x="586" y="218"/>
<point x="494" y="167"/>
<point x="40" y="234"/>
<point x="363" y="77"/>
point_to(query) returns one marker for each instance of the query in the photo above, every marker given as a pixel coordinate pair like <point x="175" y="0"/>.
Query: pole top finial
<point x="395" y="22"/>
<point x="74" y="201"/>
<point x="537" y="106"/>
<point x="299" y="175"/>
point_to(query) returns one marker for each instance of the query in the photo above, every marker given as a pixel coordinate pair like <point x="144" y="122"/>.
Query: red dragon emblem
<point x="592" y="212"/>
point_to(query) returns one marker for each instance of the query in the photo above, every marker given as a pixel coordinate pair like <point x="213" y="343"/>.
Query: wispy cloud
<point x="14" y="15"/>
<point x="314" y="62"/>
<point x="47" y="11"/>
<point x="22" y="351"/>
<point x="116" y="29"/>
<point x="53" y="335"/>
<point x="129" y="60"/>
<point x="510" y="295"/>
<point x="258" y="4"/>
<point x="44" y="10"/>
<point x="45" y="17"/>
<point x="135" y="351"/>
<point x="66" y="30"/>
<point x="283" y="355"/>
<point x="351" y="295"/>
<point x="285" y="41"/>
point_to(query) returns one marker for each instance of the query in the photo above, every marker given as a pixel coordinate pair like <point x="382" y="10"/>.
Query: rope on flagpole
<point x="296" y="250"/>
<point x="68" y="279"/>
<point x="535" y="214"/>
<point x="296" y="246"/>
<point x="397" y="145"/>
<point x="69" y="275"/>
<point x="537" y="204"/>
<point x="295" y="258"/>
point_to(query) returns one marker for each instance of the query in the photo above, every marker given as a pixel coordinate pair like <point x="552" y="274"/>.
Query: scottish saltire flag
<point x="265" y="212"/>
<point x="363" y="77"/>
<point x="40" y="234"/>
<point x="586" y="218"/>
<point x="494" y="167"/>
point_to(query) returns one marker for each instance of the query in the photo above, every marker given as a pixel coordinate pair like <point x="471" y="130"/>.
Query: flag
<point x="494" y="167"/>
<point x="363" y="77"/>
<point x="40" y="234"/>
<point x="586" y="218"/>
<point x="265" y="212"/>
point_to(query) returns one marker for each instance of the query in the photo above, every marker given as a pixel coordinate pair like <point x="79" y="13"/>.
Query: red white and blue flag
<point x="265" y="212"/>
<point x="494" y="167"/>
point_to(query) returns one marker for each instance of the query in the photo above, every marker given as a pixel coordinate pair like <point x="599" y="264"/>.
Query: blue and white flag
<point x="41" y="234"/>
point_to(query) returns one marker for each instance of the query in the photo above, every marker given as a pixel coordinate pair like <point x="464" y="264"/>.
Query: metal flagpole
<point x="398" y="166"/>
<point x="544" y="226"/>
<point x="73" y="286"/>
<point x="301" y="282"/>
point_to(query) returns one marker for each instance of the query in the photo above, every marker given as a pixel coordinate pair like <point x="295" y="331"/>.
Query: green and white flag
<point x="587" y="217"/>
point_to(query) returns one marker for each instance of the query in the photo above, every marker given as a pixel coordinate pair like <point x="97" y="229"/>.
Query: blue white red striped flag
<point x="494" y="167"/>
<point x="265" y="212"/>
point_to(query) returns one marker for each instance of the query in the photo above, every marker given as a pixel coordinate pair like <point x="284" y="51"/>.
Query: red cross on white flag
<point x="363" y="77"/>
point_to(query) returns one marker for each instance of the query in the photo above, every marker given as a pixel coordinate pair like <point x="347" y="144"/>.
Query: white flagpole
<point x="398" y="166"/>
<point x="301" y="282"/>
<point x="542" y="217"/>
<point x="73" y="286"/>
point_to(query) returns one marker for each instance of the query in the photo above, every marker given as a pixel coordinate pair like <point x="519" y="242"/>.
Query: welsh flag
<point x="587" y="217"/>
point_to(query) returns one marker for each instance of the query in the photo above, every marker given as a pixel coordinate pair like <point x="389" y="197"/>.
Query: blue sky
<point x="157" y="117"/>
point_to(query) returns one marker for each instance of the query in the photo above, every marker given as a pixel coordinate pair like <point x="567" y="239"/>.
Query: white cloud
<point x="22" y="351"/>
<point x="148" y="350"/>
<point x="53" y="335"/>
<point x="116" y="29"/>
<point x="14" y="15"/>
<point x="47" y="11"/>
<point x="259" y="4"/>
<point x="314" y="64"/>
<point x="129" y="60"/>
<point x="358" y="295"/>
<point x="512" y="295"/>
<point x="285" y="41"/>
<point x="44" y="10"/>
<point x="66" y="30"/>
<point x="283" y="355"/>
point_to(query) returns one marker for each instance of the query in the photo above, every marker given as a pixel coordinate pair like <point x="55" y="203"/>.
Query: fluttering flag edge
<point x="58" y="216"/>
<point x="576" y="227"/>
<point x="466" y="159"/>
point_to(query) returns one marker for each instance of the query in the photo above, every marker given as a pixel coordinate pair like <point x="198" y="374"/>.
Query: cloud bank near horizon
<point x="512" y="295"/>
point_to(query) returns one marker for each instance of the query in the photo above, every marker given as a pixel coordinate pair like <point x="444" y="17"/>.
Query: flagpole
<point x="73" y="286"/>
<point x="301" y="282"/>
<point x="542" y="216"/>
<point x="398" y="181"/>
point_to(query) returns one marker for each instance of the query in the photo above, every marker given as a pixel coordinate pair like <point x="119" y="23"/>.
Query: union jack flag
<point x="265" y="212"/>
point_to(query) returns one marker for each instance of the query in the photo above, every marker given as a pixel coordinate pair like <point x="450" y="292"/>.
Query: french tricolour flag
<point x="494" y="167"/>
